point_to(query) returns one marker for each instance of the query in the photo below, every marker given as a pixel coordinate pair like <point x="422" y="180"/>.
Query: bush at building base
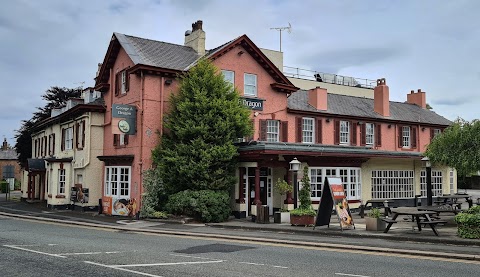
<point x="469" y="223"/>
<point x="202" y="205"/>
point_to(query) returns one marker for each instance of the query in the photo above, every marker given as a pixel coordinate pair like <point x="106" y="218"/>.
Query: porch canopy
<point x="278" y="151"/>
<point x="35" y="165"/>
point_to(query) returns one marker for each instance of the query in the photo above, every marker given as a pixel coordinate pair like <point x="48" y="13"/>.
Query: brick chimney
<point x="317" y="97"/>
<point x="5" y="144"/>
<point x="381" y="101"/>
<point x="419" y="98"/>
<point x="196" y="38"/>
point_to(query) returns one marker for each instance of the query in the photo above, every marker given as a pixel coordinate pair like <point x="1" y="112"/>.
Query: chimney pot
<point x="419" y="90"/>
<point x="412" y="91"/>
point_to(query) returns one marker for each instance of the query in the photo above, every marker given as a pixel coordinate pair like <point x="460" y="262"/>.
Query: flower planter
<point x="375" y="224"/>
<point x="303" y="220"/>
<point x="282" y="217"/>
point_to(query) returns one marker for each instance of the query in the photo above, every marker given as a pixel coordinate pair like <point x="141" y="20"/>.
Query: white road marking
<point x="123" y="269"/>
<point x="52" y="244"/>
<point x="159" y="264"/>
<point x="353" y="275"/>
<point x="89" y="253"/>
<point x="250" y="263"/>
<point x="278" y="266"/>
<point x="33" y="251"/>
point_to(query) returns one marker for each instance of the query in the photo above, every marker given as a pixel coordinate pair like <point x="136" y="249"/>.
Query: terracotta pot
<point x="303" y="220"/>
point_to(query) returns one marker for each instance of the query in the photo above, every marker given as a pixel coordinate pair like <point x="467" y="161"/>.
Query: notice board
<point x="334" y="198"/>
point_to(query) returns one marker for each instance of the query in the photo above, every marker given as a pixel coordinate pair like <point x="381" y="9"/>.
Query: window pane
<point x="307" y="130"/>
<point x="250" y="84"/>
<point x="272" y="130"/>
<point x="229" y="76"/>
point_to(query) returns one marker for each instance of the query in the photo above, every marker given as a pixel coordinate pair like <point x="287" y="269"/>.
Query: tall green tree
<point x="458" y="146"/>
<point x="54" y="97"/>
<point x="205" y="119"/>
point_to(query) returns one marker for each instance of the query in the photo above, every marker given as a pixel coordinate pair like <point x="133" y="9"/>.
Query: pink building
<point x="372" y="143"/>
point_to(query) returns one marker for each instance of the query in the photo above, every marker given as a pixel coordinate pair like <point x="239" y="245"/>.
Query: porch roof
<point x="285" y="148"/>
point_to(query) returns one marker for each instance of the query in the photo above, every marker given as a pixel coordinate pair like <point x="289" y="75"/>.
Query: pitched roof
<point x="157" y="53"/>
<point x="9" y="154"/>
<point x="363" y="107"/>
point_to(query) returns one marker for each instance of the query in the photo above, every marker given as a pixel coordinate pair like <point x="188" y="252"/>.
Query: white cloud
<point x="430" y="45"/>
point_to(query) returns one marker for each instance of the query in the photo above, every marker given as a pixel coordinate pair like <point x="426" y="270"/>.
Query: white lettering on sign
<point x="124" y="110"/>
<point x="251" y="104"/>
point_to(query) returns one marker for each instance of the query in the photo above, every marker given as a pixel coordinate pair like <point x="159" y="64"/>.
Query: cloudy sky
<point x="430" y="44"/>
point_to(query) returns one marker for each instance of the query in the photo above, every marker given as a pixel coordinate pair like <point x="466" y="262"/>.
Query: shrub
<point x="3" y="186"/>
<point x="203" y="205"/>
<point x="282" y="188"/>
<point x="154" y="196"/>
<point x="375" y="213"/>
<point x="301" y="212"/>
<point x="469" y="223"/>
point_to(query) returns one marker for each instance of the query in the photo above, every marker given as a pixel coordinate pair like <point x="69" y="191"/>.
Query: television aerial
<point x="280" y="29"/>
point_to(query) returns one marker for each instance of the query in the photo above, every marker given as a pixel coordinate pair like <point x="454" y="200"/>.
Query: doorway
<point x="265" y="188"/>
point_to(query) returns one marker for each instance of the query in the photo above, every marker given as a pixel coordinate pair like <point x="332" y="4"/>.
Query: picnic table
<point x="421" y="218"/>
<point x="385" y="203"/>
<point x="440" y="209"/>
<point x="452" y="199"/>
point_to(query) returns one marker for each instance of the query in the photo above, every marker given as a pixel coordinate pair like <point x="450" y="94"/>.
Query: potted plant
<point x="304" y="214"/>
<point x="373" y="220"/>
<point x="282" y="188"/>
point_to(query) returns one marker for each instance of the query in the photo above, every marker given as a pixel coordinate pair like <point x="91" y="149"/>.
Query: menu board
<point x="334" y="197"/>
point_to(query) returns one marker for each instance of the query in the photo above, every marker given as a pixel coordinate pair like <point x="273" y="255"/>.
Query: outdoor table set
<point x="421" y="217"/>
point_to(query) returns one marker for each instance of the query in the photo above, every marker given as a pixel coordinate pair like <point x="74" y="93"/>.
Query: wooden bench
<point x="389" y="220"/>
<point x="433" y="224"/>
<point x="390" y="223"/>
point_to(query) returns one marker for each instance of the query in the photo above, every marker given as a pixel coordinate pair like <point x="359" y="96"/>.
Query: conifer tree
<point x="205" y="119"/>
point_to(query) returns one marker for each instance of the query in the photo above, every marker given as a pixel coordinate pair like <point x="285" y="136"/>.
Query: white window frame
<point x="369" y="133"/>
<point x="62" y="181"/>
<point x="436" y="132"/>
<point x="308" y="127"/>
<point x="229" y="76"/>
<point x="393" y="184"/>
<point x="437" y="183"/>
<point x="273" y="130"/>
<point x="344" y="132"/>
<point x="250" y="88"/>
<point x="351" y="180"/>
<point x="118" y="181"/>
<point x="68" y="139"/>
<point x="452" y="180"/>
<point x="406" y="132"/>
<point x="123" y="89"/>
<point x="121" y="139"/>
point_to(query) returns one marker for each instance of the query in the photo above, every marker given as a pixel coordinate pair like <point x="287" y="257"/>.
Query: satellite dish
<point x="188" y="32"/>
<point x="289" y="28"/>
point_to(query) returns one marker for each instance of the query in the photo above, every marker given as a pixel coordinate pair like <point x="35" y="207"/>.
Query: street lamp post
<point x="428" y="167"/>
<point x="294" y="167"/>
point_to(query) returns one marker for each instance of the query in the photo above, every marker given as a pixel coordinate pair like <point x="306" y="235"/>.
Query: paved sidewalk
<point x="401" y="236"/>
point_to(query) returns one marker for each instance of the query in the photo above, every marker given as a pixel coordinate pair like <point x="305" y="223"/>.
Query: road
<point x="29" y="248"/>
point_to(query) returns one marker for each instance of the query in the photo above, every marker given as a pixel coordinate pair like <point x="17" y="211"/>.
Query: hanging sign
<point x="124" y="119"/>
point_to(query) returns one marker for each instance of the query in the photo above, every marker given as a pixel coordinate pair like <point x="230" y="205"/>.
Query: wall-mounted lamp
<point x="389" y="126"/>
<point x="423" y="128"/>
<point x="168" y="82"/>
<point x="360" y="123"/>
<point x="327" y="120"/>
<point x="256" y="114"/>
<point x="240" y="52"/>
